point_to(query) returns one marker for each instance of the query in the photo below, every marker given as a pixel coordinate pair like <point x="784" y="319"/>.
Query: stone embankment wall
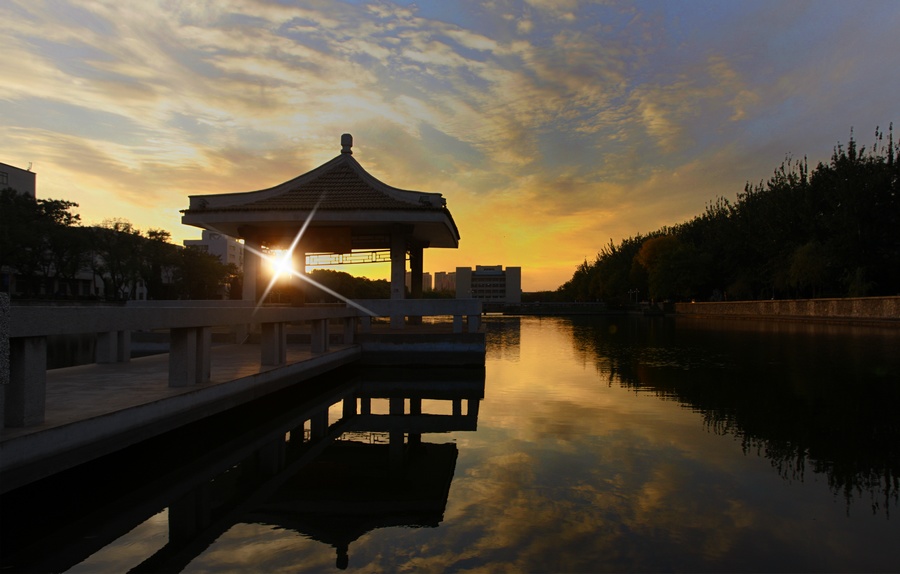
<point x="857" y="308"/>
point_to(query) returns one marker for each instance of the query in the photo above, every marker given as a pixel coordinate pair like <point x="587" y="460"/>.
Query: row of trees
<point x="43" y="244"/>
<point x="829" y="232"/>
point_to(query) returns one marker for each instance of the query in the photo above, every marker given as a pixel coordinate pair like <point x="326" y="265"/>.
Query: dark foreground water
<point x="585" y="445"/>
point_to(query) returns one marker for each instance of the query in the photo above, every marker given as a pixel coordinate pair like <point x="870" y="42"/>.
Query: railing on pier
<point x="24" y="330"/>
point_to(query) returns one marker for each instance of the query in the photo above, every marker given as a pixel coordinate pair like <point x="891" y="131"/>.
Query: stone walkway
<point x="102" y="407"/>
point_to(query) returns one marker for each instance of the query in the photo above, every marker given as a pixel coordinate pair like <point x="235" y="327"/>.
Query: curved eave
<point x="434" y="227"/>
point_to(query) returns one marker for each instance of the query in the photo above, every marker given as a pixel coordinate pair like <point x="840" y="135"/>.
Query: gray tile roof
<point x="341" y="184"/>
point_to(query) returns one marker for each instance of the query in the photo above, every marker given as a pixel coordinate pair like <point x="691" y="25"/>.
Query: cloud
<point x="574" y="117"/>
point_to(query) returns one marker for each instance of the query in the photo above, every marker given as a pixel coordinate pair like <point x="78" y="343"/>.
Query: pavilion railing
<point x="24" y="330"/>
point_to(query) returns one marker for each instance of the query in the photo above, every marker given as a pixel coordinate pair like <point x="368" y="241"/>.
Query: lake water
<point x="585" y="445"/>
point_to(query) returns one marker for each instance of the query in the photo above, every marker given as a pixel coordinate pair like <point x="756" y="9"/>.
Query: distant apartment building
<point x="227" y="249"/>
<point x="21" y="180"/>
<point x="444" y="281"/>
<point x="489" y="283"/>
<point x="427" y="283"/>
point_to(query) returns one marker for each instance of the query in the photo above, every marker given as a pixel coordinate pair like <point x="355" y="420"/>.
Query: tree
<point x="33" y="236"/>
<point x="117" y="244"/>
<point x="158" y="259"/>
<point x="831" y="231"/>
<point x="200" y="275"/>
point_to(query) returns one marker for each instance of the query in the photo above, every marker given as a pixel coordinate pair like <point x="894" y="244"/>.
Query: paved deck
<point x="94" y="409"/>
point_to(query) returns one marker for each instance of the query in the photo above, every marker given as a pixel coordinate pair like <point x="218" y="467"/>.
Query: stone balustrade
<point x="24" y="330"/>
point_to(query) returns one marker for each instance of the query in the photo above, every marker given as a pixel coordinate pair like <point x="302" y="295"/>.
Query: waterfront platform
<point x="58" y="418"/>
<point x="92" y="410"/>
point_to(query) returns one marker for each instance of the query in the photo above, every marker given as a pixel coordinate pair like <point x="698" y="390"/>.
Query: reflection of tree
<point x="502" y="337"/>
<point x="805" y="400"/>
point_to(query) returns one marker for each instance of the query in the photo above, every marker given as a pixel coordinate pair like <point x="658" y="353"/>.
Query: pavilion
<point x="340" y="208"/>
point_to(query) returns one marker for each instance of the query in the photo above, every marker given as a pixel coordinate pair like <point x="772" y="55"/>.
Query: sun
<point x="280" y="262"/>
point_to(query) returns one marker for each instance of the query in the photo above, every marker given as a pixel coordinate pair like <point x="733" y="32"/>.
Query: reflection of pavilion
<point x="355" y="487"/>
<point x="278" y="471"/>
<point x="352" y="489"/>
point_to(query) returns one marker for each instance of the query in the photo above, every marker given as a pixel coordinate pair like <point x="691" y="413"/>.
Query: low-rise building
<point x="21" y="180"/>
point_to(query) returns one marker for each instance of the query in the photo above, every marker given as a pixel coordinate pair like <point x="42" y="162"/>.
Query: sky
<point x="552" y="128"/>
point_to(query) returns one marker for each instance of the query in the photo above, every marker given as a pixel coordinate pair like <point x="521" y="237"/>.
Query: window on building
<point x="4" y="178"/>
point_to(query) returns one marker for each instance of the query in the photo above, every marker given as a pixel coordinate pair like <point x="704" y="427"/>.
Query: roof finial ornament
<point x="346" y="143"/>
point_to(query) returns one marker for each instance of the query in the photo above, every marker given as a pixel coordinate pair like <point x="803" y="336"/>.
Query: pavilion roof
<point x="341" y="191"/>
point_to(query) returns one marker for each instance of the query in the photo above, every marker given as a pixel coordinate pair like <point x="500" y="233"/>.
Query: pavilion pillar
<point x="298" y="263"/>
<point x="252" y="261"/>
<point x="398" y="277"/>
<point x="416" y="272"/>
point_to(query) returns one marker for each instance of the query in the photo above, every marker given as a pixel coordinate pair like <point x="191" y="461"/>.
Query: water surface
<point x="600" y="444"/>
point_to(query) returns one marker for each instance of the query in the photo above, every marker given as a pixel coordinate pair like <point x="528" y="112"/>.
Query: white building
<point x="489" y="283"/>
<point x="21" y="180"/>
<point x="227" y="249"/>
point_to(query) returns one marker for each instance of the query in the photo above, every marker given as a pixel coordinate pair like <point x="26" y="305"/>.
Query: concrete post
<point x="457" y="324"/>
<point x="319" y="336"/>
<point x="123" y="346"/>
<point x="273" y="344"/>
<point x="365" y="324"/>
<point x="4" y="355"/>
<point x="349" y="407"/>
<point x="204" y="353"/>
<point x="106" y="351"/>
<point x="182" y="357"/>
<point x="252" y="248"/>
<point x="113" y="347"/>
<point x="318" y="425"/>
<point x="350" y="330"/>
<point x="26" y="393"/>
<point x="472" y="408"/>
<point x="416" y="273"/>
<point x="474" y="323"/>
<point x="298" y="262"/>
<point x="298" y="435"/>
<point x="398" y="277"/>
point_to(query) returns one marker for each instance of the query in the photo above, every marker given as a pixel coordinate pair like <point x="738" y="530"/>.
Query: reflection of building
<point x="489" y="283"/>
<point x="227" y="249"/>
<point x="21" y="180"/>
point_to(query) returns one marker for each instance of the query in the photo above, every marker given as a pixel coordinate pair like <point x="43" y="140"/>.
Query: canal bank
<point x="858" y="310"/>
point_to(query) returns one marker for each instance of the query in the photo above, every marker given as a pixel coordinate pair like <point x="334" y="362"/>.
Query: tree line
<point x="830" y="232"/>
<point x="45" y="248"/>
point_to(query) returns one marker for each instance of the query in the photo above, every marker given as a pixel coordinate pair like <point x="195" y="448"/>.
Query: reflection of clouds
<point x="588" y="514"/>
<point x="569" y="473"/>
<point x="129" y="550"/>
<point x="258" y="548"/>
